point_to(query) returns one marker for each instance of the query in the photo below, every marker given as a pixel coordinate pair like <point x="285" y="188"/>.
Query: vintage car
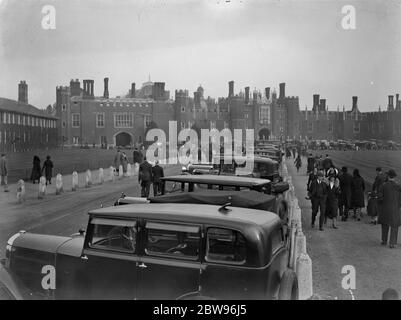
<point x="161" y="251"/>
<point x="190" y="183"/>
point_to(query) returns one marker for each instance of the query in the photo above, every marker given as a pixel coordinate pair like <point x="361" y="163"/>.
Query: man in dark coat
<point x="145" y="177"/>
<point x="327" y="164"/>
<point x="158" y="173"/>
<point x="137" y="156"/>
<point x="311" y="163"/>
<point x="374" y="205"/>
<point x="389" y="216"/>
<point x="48" y="169"/>
<point x="318" y="193"/>
<point x="346" y="193"/>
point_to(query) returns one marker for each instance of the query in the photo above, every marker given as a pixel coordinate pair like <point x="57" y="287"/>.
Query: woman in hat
<point x="333" y="194"/>
<point x="36" y="170"/>
<point x="358" y="194"/>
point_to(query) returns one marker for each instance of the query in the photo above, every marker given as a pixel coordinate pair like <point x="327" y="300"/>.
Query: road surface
<point x="355" y="243"/>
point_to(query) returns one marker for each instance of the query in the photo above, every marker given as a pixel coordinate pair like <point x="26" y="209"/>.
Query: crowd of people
<point x="334" y="193"/>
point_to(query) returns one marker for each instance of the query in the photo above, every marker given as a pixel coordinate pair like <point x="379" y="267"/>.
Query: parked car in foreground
<point x="162" y="251"/>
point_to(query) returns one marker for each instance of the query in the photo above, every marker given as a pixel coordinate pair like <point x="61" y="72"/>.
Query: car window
<point x="171" y="240"/>
<point x="108" y="236"/>
<point x="225" y="245"/>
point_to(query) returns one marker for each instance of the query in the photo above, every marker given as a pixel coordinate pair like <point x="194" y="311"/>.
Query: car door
<point x="110" y="260"/>
<point x="170" y="265"/>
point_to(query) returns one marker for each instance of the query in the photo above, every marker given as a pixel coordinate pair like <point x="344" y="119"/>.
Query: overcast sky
<point x="209" y="42"/>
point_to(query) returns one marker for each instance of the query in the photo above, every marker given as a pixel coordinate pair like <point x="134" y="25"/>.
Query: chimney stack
<point x="158" y="91"/>
<point x="231" y="89"/>
<point x="246" y="95"/>
<point x="23" y="92"/>
<point x="397" y="101"/>
<point x="390" y="106"/>
<point x="282" y="90"/>
<point x="267" y="92"/>
<point x="75" y="88"/>
<point x="315" y="102"/>
<point x="88" y="89"/>
<point x="322" y="105"/>
<point x="354" y="102"/>
<point x="106" y="88"/>
<point x="133" y="93"/>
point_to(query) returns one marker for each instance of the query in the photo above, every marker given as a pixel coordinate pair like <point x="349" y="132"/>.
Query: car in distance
<point x="162" y="251"/>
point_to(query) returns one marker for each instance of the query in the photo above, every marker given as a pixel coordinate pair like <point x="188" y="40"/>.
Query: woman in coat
<point x="358" y="194"/>
<point x="333" y="194"/>
<point x="48" y="169"/>
<point x="124" y="163"/>
<point x="298" y="162"/>
<point x="36" y="171"/>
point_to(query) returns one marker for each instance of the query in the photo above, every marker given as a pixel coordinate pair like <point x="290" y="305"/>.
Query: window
<point x="103" y="140"/>
<point x="76" y="120"/>
<point x="123" y="120"/>
<point x="23" y="120"/>
<point x="64" y="107"/>
<point x="75" y="140"/>
<point x="212" y="125"/>
<point x="179" y="241"/>
<point x="63" y="124"/>
<point x="224" y="245"/>
<point x="310" y="126"/>
<point x="114" y="235"/>
<point x="357" y="127"/>
<point x="100" y="120"/>
<point x="5" y="118"/>
<point x="264" y="115"/>
<point x="182" y="109"/>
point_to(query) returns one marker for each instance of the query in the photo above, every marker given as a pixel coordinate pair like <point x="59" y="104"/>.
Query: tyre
<point x="288" y="286"/>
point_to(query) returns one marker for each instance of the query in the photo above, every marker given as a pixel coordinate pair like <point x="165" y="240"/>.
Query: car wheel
<point x="288" y="286"/>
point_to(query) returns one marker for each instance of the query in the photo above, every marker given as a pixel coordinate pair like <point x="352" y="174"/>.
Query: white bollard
<point x="42" y="187"/>
<point x="297" y="216"/>
<point x="21" y="191"/>
<point x="112" y="175"/>
<point x="300" y="246"/>
<point x="74" y="181"/>
<point x="120" y="171"/>
<point x="128" y="170"/>
<point x="59" y="183"/>
<point x="88" y="178"/>
<point x="292" y="244"/>
<point x="304" y="275"/>
<point x="101" y="175"/>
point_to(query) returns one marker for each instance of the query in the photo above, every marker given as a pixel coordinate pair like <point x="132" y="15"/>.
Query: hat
<point x="391" y="173"/>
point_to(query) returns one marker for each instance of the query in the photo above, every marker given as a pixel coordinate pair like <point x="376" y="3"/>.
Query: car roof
<point x="191" y="213"/>
<point x="254" y="158"/>
<point x="219" y="180"/>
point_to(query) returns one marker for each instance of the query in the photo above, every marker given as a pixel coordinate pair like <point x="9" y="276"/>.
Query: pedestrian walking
<point x="346" y="193"/>
<point x="327" y="163"/>
<point x="157" y="173"/>
<point x="374" y="205"/>
<point x="333" y="194"/>
<point x="137" y="155"/>
<point x="36" y="169"/>
<point x="48" y="169"/>
<point x="312" y="177"/>
<point x="145" y="178"/>
<point x="358" y="194"/>
<point x="298" y="162"/>
<point x="311" y="164"/>
<point x="389" y="215"/>
<point x="4" y="172"/>
<point x="117" y="160"/>
<point x="319" y="196"/>
<point x="124" y="163"/>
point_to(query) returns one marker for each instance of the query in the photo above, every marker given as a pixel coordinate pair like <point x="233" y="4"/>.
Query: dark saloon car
<point x="162" y="251"/>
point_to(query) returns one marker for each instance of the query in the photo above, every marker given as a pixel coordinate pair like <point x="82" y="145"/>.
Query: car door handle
<point x="142" y="265"/>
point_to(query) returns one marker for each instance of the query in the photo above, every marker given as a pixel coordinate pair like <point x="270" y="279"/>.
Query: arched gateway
<point x="123" y="139"/>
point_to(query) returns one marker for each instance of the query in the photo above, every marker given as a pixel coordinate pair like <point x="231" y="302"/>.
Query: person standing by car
<point x="145" y="178"/>
<point x="373" y="204"/>
<point x="4" y="172"/>
<point x="358" y="194"/>
<point x="157" y="172"/>
<point x="389" y="215"/>
<point x="346" y="193"/>
<point x="319" y="196"/>
<point x="48" y="169"/>
<point x="36" y="170"/>
<point x="298" y="162"/>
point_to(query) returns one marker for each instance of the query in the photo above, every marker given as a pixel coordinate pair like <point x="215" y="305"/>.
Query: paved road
<point x="355" y="243"/>
<point x="60" y="214"/>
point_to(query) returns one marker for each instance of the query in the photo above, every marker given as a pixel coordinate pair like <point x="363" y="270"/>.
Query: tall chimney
<point x="75" y="88"/>
<point x="246" y="95"/>
<point x="282" y="90"/>
<point x="267" y="92"/>
<point x="315" y="102"/>
<point x="390" y="106"/>
<point x="397" y="101"/>
<point x="106" y="88"/>
<point x="88" y="89"/>
<point x="354" y="102"/>
<point x="231" y="89"/>
<point x="23" y="92"/>
<point x="133" y="90"/>
<point x="322" y="105"/>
